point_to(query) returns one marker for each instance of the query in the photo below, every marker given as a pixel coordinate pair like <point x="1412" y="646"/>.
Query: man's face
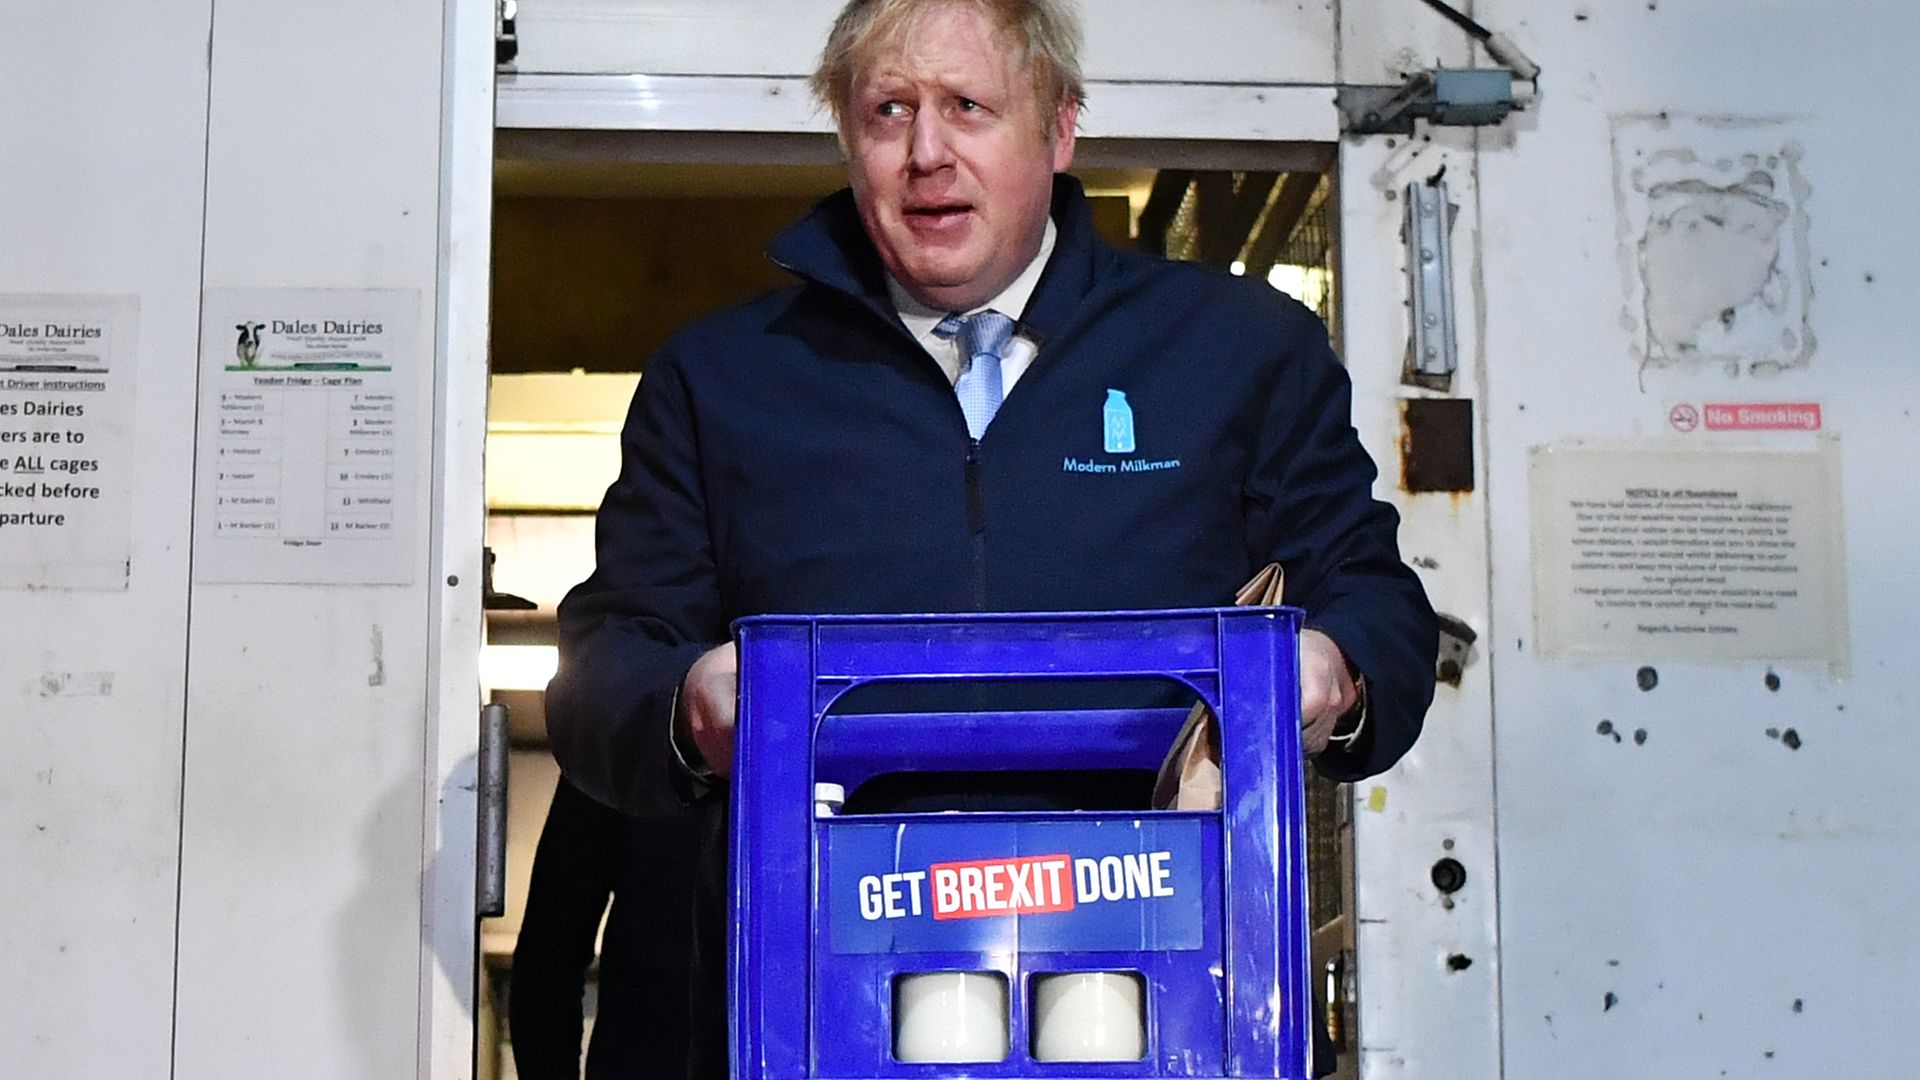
<point x="951" y="164"/>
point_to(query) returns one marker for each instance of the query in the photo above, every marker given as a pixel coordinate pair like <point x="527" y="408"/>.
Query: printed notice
<point x="307" y="466"/>
<point x="66" y="396"/>
<point x="1705" y="555"/>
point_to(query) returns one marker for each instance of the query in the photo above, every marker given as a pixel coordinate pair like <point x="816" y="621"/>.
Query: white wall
<point x="102" y="139"/>
<point x="316" y="776"/>
<point x="1711" y="901"/>
<point x="1236" y="40"/>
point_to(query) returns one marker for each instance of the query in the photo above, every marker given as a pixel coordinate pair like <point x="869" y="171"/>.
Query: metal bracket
<point x="1430" y="278"/>
<point x="1456" y="648"/>
<point x="1448" y="97"/>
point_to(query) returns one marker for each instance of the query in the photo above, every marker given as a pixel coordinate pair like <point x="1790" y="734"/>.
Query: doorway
<point x="607" y="242"/>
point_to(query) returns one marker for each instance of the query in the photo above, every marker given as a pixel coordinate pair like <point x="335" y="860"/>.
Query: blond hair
<point x="1047" y="31"/>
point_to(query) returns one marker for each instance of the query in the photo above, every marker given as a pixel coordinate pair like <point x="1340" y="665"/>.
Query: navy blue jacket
<point x="801" y="453"/>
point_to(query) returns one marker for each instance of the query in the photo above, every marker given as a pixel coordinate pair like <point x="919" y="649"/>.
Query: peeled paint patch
<point x="1708" y="255"/>
<point x="1713" y="242"/>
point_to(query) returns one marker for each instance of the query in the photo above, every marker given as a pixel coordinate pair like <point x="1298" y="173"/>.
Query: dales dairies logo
<point x="247" y="349"/>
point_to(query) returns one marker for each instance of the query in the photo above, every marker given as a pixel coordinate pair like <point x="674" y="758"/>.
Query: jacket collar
<point x="829" y="247"/>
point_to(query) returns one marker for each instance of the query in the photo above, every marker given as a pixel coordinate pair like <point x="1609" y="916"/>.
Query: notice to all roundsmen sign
<point x="1706" y="554"/>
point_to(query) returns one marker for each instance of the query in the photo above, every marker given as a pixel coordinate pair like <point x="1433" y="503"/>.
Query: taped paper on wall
<point x="66" y="450"/>
<point x="306" y="455"/>
<point x="1690" y="554"/>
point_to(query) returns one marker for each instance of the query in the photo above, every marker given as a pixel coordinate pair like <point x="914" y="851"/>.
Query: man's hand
<point x="1327" y="691"/>
<point x="708" y="699"/>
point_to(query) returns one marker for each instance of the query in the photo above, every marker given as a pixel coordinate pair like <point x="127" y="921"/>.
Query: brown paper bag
<point x="1189" y="778"/>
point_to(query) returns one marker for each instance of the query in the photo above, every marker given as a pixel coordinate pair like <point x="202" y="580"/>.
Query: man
<point x="971" y="403"/>
<point x="589" y="854"/>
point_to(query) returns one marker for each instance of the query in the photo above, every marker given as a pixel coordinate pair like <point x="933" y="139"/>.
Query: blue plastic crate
<point x="1209" y="908"/>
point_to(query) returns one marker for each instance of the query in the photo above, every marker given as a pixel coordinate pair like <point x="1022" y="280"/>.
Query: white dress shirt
<point x="1012" y="302"/>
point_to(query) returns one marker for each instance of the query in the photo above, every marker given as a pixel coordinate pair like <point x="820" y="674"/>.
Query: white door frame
<point x="449" y="944"/>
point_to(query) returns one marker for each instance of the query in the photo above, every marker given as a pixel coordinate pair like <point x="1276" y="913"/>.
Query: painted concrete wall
<point x="1706" y="866"/>
<point x="327" y="815"/>
<point x="93" y="682"/>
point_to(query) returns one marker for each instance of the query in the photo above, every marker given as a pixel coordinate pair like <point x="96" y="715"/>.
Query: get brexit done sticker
<point x="951" y="885"/>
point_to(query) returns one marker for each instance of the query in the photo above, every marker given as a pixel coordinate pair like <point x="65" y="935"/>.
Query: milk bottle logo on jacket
<point x="1118" y="417"/>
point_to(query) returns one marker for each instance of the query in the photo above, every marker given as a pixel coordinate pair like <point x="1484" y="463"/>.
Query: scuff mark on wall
<point x="65" y="684"/>
<point x="1712" y="219"/>
<point x="378" y="676"/>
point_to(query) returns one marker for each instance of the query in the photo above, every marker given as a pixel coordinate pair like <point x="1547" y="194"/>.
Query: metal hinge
<point x="490" y="864"/>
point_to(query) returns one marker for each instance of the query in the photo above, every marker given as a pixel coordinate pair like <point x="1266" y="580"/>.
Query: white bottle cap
<point x="828" y="799"/>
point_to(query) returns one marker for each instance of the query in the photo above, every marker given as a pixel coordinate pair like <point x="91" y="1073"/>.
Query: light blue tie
<point x="982" y="337"/>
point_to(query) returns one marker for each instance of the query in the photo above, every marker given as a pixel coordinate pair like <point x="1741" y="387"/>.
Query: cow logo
<point x="247" y="349"/>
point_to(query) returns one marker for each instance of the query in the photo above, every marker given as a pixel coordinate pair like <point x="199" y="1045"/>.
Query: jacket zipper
<point x="976" y="502"/>
<point x="977" y="525"/>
